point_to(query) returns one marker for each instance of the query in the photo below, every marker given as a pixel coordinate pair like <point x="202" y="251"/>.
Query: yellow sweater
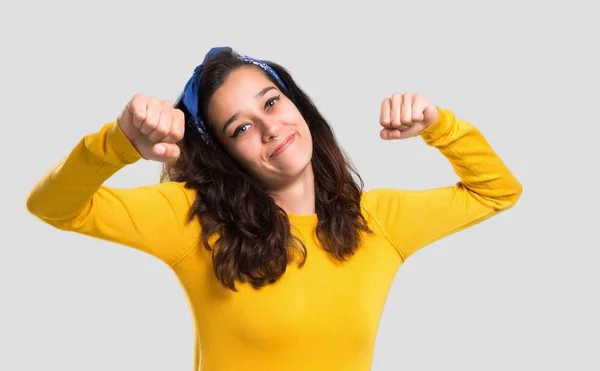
<point x="323" y="316"/>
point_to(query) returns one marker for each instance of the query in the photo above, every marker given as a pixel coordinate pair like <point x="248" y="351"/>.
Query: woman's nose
<point x="271" y="130"/>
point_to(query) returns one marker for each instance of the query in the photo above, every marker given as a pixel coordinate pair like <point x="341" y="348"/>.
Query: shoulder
<point x="166" y="197"/>
<point x="381" y="197"/>
<point x="386" y="205"/>
<point x="177" y="191"/>
<point x="375" y="203"/>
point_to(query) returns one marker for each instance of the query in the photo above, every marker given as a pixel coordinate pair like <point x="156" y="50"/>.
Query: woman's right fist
<point x="153" y="127"/>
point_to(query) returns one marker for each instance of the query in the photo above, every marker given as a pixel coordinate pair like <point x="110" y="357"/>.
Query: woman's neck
<point x="299" y="196"/>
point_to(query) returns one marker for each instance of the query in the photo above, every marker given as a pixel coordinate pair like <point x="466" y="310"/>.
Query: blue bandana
<point x="189" y="97"/>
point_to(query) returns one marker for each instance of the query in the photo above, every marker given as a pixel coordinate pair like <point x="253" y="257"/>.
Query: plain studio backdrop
<point x="518" y="292"/>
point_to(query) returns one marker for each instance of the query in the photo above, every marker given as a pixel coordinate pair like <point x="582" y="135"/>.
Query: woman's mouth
<point x="283" y="146"/>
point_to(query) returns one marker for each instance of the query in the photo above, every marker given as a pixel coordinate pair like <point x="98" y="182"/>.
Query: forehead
<point x="238" y="91"/>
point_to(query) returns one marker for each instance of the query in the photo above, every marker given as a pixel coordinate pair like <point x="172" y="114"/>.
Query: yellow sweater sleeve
<point x="412" y="219"/>
<point x="72" y="196"/>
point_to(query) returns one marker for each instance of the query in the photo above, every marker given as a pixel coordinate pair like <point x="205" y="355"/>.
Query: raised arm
<point x="72" y="196"/>
<point x="414" y="219"/>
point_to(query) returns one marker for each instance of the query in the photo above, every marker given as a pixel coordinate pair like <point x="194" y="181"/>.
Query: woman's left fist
<point x="406" y="115"/>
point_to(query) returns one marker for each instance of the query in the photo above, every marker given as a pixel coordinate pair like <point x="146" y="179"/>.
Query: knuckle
<point x="179" y="120"/>
<point x="138" y="97"/>
<point x="177" y="129"/>
<point x="153" y="102"/>
<point x="162" y="129"/>
<point x="177" y="133"/>
<point x="178" y="115"/>
<point x="151" y="123"/>
<point x="138" y="104"/>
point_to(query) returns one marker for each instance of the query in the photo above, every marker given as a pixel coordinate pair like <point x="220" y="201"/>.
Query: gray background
<point x="518" y="292"/>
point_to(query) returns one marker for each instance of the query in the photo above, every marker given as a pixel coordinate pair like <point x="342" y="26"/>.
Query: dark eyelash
<point x="237" y="131"/>
<point x="275" y="98"/>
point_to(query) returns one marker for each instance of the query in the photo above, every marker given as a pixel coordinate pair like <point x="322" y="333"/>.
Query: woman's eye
<point x="240" y="130"/>
<point x="271" y="102"/>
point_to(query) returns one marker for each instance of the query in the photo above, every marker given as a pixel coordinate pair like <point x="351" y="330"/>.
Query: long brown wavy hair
<point x="251" y="234"/>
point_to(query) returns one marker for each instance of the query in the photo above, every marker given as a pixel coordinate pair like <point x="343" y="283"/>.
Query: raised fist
<point x="153" y="127"/>
<point x="406" y="115"/>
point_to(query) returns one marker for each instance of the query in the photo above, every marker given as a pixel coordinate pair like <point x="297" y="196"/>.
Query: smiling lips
<point x="283" y="146"/>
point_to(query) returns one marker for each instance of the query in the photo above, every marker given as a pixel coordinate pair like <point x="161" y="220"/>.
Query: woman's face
<point x="261" y="128"/>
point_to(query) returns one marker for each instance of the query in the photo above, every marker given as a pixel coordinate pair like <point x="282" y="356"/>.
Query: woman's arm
<point x="414" y="219"/>
<point x="72" y="197"/>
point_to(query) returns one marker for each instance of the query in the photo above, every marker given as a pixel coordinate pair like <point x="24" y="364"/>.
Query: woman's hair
<point x="252" y="238"/>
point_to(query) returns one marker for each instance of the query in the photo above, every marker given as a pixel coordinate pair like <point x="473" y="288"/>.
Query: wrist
<point x="121" y="144"/>
<point x="438" y="128"/>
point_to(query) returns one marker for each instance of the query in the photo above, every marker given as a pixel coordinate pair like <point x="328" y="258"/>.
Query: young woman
<point x="285" y="259"/>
